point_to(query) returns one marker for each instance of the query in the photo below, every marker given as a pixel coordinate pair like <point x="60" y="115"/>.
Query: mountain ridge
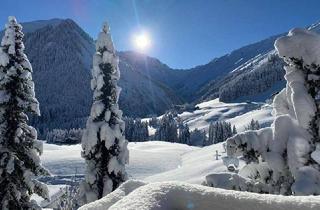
<point x="61" y="55"/>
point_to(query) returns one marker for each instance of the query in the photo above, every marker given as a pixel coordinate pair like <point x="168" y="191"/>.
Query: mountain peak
<point x="29" y="27"/>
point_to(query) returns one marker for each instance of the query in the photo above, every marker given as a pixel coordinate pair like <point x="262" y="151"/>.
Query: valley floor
<point x="176" y="171"/>
<point x="171" y="173"/>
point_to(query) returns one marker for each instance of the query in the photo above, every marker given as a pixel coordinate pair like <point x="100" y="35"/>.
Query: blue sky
<point x="184" y="33"/>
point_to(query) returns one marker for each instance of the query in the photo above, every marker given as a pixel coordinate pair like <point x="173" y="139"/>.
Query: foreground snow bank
<point x="107" y="201"/>
<point x="178" y="195"/>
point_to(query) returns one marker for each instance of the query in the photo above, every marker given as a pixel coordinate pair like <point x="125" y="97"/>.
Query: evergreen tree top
<point x="104" y="41"/>
<point x="15" y="64"/>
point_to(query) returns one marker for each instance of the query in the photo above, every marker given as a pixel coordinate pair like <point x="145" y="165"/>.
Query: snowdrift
<point x="194" y="166"/>
<point x="183" y="196"/>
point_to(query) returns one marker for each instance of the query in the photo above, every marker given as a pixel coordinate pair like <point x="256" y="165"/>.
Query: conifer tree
<point x="104" y="145"/>
<point x="184" y="134"/>
<point x="19" y="147"/>
<point x="234" y="130"/>
<point x="285" y="158"/>
<point x="168" y="128"/>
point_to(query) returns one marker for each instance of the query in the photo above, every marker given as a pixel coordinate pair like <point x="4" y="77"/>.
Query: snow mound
<point x="183" y="196"/>
<point x="300" y="43"/>
<point x="107" y="201"/>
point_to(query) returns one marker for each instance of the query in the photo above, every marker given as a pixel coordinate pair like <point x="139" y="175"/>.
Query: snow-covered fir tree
<point x="60" y="136"/>
<point x="197" y="137"/>
<point x="234" y="130"/>
<point x="154" y="122"/>
<point x="219" y="132"/>
<point x="167" y="129"/>
<point x="253" y="125"/>
<point x="19" y="147"/>
<point x="285" y="159"/>
<point x="136" y="130"/>
<point x="184" y="134"/>
<point x="103" y="142"/>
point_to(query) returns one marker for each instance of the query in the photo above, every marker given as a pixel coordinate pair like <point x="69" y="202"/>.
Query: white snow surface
<point x="238" y="114"/>
<point x="195" y="165"/>
<point x="146" y="158"/>
<point x="301" y="44"/>
<point x="151" y="161"/>
<point x="184" y="196"/>
<point x="122" y="191"/>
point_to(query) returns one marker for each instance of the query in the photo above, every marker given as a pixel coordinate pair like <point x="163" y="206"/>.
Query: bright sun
<point x="142" y="41"/>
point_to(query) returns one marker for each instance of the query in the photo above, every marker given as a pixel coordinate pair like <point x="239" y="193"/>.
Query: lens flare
<point x="142" y="41"/>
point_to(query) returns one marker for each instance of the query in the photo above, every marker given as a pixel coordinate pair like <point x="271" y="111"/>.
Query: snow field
<point x="238" y="114"/>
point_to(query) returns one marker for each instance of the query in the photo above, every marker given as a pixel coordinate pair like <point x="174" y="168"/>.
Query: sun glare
<point x="142" y="41"/>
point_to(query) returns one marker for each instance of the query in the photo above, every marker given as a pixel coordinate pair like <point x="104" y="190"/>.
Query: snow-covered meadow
<point x="146" y="158"/>
<point x="155" y="161"/>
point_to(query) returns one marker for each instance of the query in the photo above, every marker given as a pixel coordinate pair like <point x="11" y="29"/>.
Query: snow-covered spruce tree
<point x="285" y="159"/>
<point x="184" y="134"/>
<point x="253" y="125"/>
<point x="19" y="147"/>
<point x="103" y="142"/>
<point x="167" y="129"/>
<point x="197" y="137"/>
<point x="219" y="132"/>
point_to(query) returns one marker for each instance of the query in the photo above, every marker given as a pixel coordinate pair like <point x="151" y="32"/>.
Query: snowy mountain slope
<point x="238" y="114"/>
<point x="257" y="79"/>
<point x="219" y="68"/>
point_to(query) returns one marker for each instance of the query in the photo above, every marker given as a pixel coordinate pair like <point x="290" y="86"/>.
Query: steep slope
<point x="61" y="56"/>
<point x="191" y="89"/>
<point x="255" y="80"/>
<point x="142" y="95"/>
<point x="153" y="68"/>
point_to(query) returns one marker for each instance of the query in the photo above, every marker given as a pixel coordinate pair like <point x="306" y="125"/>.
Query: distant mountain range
<point x="61" y="55"/>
